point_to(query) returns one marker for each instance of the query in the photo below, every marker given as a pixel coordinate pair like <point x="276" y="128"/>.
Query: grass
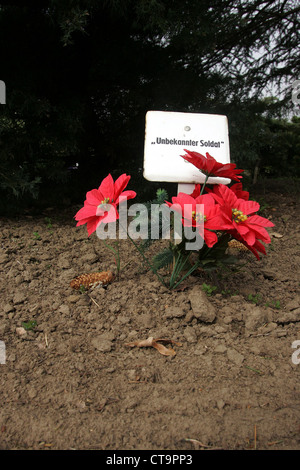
<point x="36" y="235"/>
<point x="254" y="298"/>
<point x="208" y="289"/>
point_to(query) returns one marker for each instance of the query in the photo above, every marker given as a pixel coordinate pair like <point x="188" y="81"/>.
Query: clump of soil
<point x="70" y="380"/>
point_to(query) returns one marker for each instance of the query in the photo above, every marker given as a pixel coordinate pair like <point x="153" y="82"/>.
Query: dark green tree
<point x="80" y="76"/>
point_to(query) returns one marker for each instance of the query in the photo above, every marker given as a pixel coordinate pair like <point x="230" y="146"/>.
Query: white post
<point x="186" y="188"/>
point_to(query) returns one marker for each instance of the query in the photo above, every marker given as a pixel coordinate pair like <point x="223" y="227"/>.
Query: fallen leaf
<point x="275" y="234"/>
<point x="155" y="343"/>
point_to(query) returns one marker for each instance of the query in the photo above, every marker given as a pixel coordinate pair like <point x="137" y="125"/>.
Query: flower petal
<point x="125" y="195"/>
<point x="106" y="188"/>
<point x="210" y="238"/>
<point x="247" y="207"/>
<point x="120" y="185"/>
<point x="257" y="219"/>
<point x="93" y="197"/>
<point x="92" y="224"/>
<point x="110" y="216"/>
<point x="85" y="212"/>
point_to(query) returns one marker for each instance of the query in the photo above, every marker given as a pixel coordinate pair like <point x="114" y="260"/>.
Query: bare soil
<point x="70" y="381"/>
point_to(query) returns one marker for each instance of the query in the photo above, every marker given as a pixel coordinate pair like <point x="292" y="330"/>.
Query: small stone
<point x="190" y="334"/>
<point x="32" y="393"/>
<point x="132" y="374"/>
<point x="293" y="304"/>
<point x="227" y="319"/>
<point x="124" y="320"/>
<point x="221" y="348"/>
<point x="237" y="298"/>
<point x="254" y="317"/>
<point x="189" y="316"/>
<point x="19" y="298"/>
<point x="289" y="317"/>
<point x="102" y="343"/>
<point x="202" y="308"/>
<point x="280" y="333"/>
<point x="73" y="298"/>
<point x="8" y="308"/>
<point x="63" y="263"/>
<point x="235" y="356"/>
<point x="64" y="309"/>
<point x="174" y="312"/>
<point x="146" y="320"/>
<point x="3" y="258"/>
<point x="220" y="329"/>
<point x="220" y="404"/>
<point x="21" y="332"/>
<point x="90" y="258"/>
<point x="270" y="327"/>
<point x="200" y="350"/>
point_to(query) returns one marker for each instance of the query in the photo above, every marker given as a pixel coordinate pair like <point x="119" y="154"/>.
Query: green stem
<point x="188" y="273"/>
<point x="179" y="266"/>
<point x="204" y="184"/>
<point x="146" y="260"/>
<point x="116" y="253"/>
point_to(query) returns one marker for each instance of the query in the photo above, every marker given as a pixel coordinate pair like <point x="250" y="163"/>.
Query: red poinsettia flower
<point x="210" y="167"/>
<point x="196" y="191"/>
<point x="240" y="217"/>
<point x="237" y="188"/>
<point x="211" y="219"/>
<point x="257" y="248"/>
<point x="100" y="205"/>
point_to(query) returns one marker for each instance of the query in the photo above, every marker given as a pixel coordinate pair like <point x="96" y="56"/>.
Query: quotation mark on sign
<point x="296" y="354"/>
<point x="296" y="92"/>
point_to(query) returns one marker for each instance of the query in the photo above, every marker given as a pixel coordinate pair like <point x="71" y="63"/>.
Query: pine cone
<point x="236" y="245"/>
<point x="91" y="280"/>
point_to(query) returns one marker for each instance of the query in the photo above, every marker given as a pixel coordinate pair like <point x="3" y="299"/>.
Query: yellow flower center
<point x="105" y="205"/>
<point x="105" y="201"/>
<point x="238" y="216"/>
<point x="198" y="216"/>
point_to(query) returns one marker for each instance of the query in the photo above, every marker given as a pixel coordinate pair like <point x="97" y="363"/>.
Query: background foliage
<point x="81" y="75"/>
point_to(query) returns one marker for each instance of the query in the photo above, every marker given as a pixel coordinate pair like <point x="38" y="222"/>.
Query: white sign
<point x="169" y="133"/>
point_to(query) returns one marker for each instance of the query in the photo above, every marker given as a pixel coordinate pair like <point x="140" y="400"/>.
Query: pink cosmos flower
<point x="100" y="205"/>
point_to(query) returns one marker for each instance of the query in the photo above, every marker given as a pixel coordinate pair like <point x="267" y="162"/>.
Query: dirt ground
<point x="70" y="380"/>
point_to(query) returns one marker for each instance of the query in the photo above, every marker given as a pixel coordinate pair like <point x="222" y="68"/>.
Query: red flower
<point x="196" y="191"/>
<point x="188" y="206"/>
<point x="239" y="217"/>
<point x="255" y="249"/>
<point x="101" y="204"/>
<point x="237" y="188"/>
<point x="210" y="167"/>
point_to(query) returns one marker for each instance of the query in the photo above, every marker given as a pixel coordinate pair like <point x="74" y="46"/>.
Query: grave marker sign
<point x="169" y="133"/>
